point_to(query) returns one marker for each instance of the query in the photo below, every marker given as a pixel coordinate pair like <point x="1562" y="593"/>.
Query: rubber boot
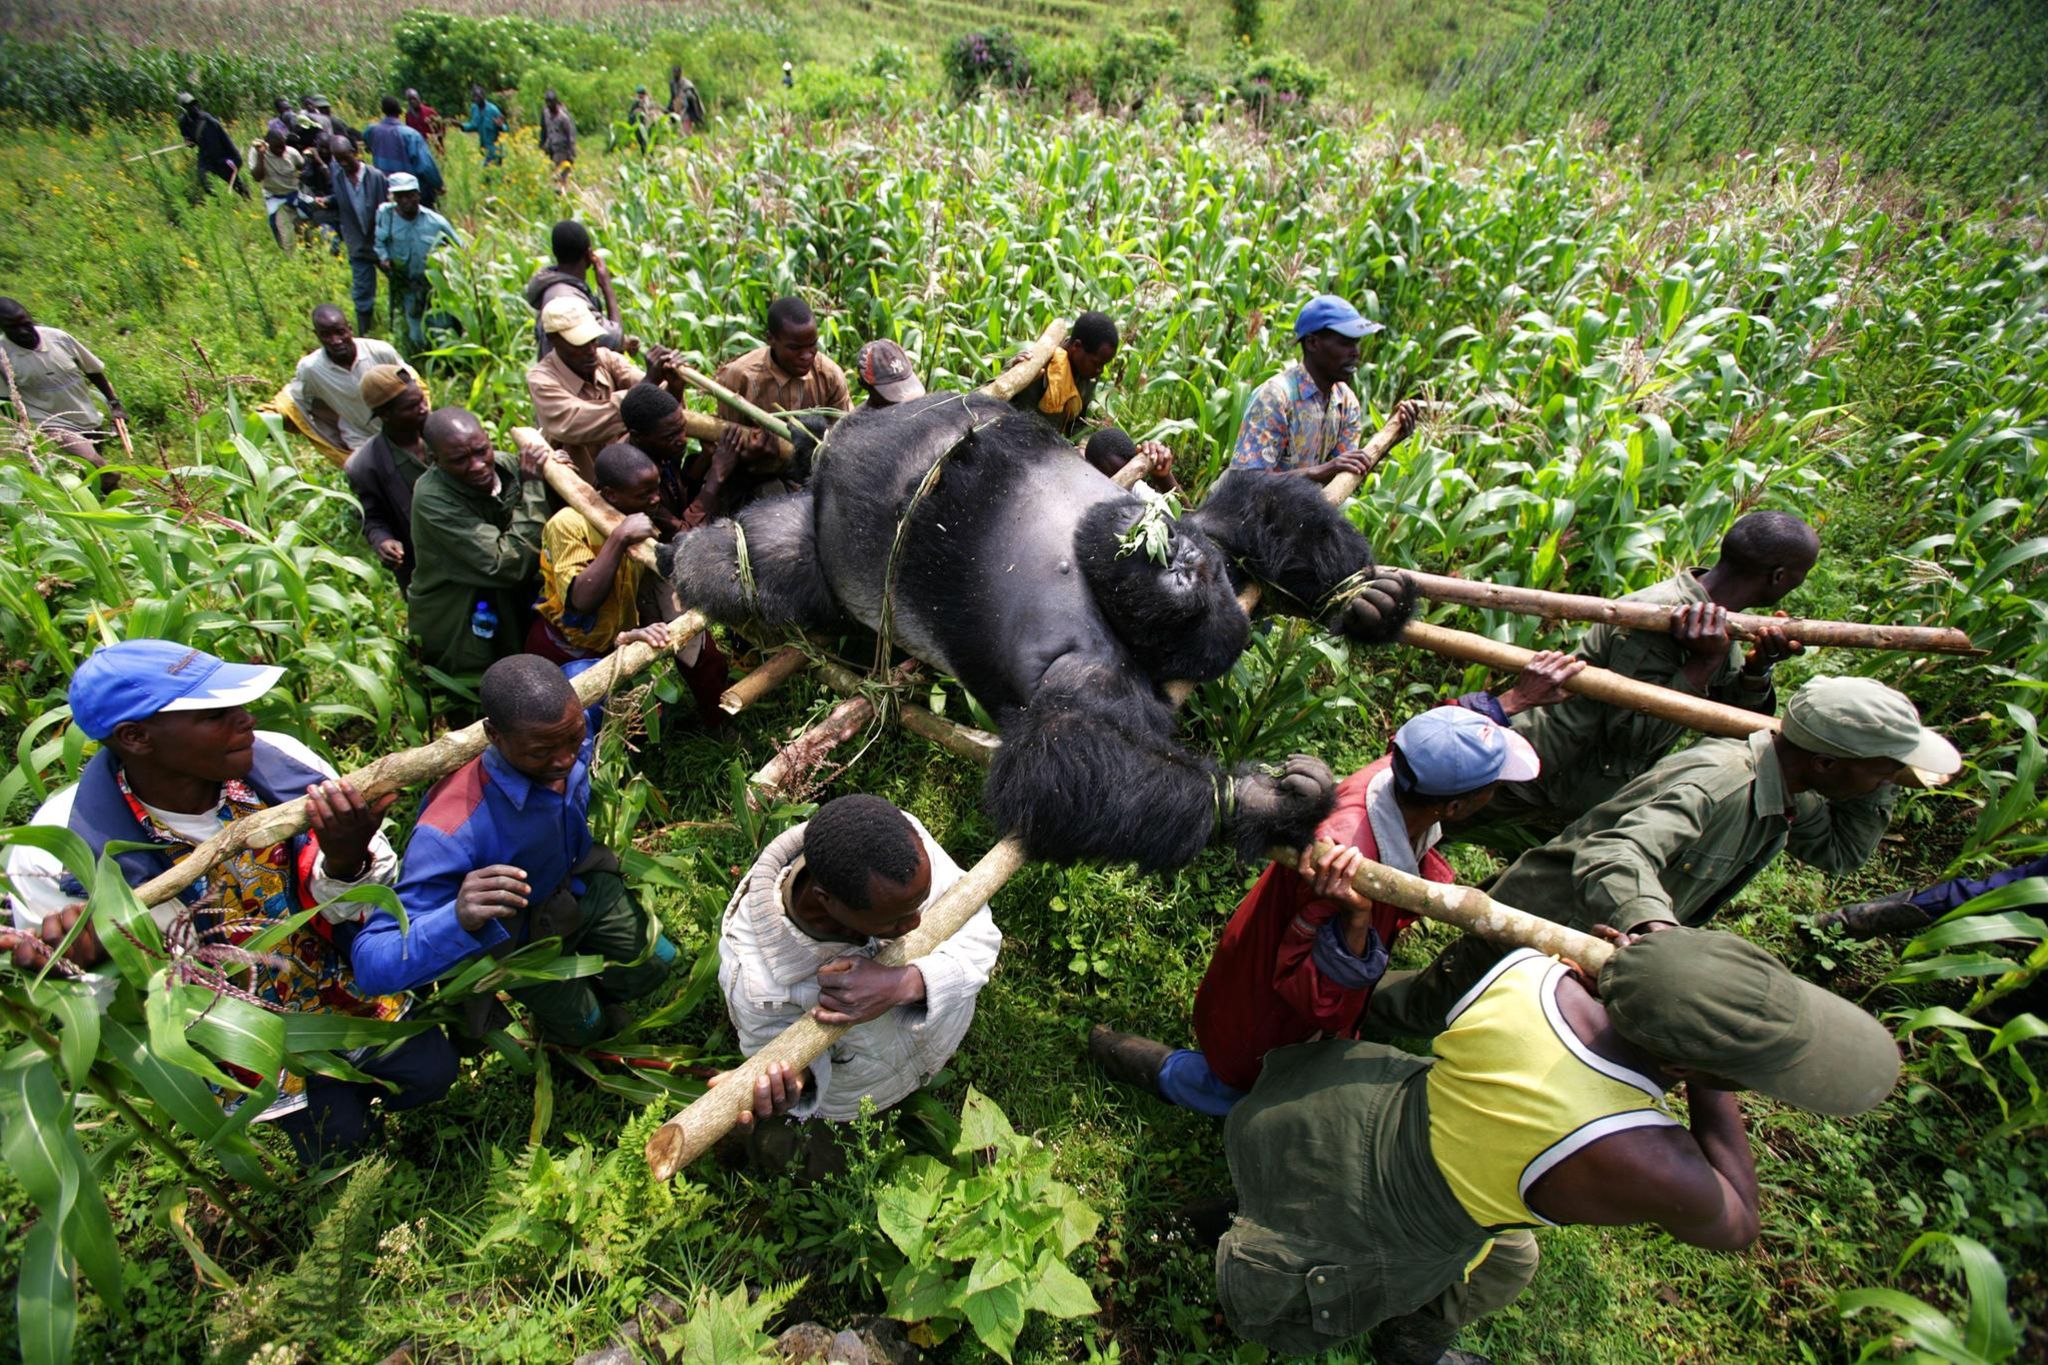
<point x="1127" y="1057"/>
<point x="1871" y="919"/>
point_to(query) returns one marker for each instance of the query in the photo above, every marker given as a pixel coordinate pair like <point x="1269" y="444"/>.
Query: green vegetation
<point x="1630" y="362"/>
<point x="1951" y="93"/>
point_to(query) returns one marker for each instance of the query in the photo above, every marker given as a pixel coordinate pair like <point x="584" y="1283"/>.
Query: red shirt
<point x="1263" y="989"/>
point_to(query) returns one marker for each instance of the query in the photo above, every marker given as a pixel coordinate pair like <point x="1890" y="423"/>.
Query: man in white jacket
<point x="801" y="933"/>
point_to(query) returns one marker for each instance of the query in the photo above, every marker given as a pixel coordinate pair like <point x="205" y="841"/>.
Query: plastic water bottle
<point x="483" y="622"/>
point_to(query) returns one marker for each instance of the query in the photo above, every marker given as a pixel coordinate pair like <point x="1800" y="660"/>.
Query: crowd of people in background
<point x="1546" y="1101"/>
<point x="371" y="194"/>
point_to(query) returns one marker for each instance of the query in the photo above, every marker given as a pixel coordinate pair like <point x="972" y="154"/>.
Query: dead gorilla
<point x="1009" y="579"/>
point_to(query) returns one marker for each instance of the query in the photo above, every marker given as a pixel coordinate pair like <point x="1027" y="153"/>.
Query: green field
<point x="1634" y="344"/>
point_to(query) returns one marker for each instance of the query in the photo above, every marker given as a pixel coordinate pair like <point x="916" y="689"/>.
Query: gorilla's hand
<point x="1380" y="610"/>
<point x="1279" y="805"/>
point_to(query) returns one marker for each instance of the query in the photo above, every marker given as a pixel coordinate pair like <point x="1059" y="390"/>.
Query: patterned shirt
<point x="1290" y="426"/>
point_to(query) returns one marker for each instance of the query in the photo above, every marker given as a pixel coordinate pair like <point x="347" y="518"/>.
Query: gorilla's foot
<point x="1382" y="607"/>
<point x="1279" y="805"/>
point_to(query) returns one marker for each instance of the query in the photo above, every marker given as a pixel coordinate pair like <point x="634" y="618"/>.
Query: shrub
<point x="1279" y="80"/>
<point x="1247" y="19"/>
<point x="443" y="54"/>
<point x="1129" y="65"/>
<point x="990" y="58"/>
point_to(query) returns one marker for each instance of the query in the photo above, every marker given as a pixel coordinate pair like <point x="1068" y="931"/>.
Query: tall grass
<point x="1952" y="93"/>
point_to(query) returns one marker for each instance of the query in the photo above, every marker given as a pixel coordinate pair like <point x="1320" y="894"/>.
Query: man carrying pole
<point x="1681" y="841"/>
<point x="1590" y="750"/>
<point x="800" y="938"/>
<point x="1544" y="1105"/>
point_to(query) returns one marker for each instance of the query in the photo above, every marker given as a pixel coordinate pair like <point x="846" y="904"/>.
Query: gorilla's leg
<point x="1090" y="770"/>
<point x="1277" y="529"/>
<point x="787" y="587"/>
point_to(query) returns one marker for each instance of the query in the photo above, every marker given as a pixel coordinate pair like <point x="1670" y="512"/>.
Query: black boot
<point x="1870" y="919"/>
<point x="1127" y="1057"/>
<point x="1419" y="1339"/>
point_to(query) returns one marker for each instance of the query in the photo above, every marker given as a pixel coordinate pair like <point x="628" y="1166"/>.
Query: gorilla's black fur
<point x="1011" y="576"/>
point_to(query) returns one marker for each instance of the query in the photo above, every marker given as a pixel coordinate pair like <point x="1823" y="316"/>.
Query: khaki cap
<point x="571" y="320"/>
<point x="1717" y="1003"/>
<point x="382" y="383"/>
<point x="1863" y="718"/>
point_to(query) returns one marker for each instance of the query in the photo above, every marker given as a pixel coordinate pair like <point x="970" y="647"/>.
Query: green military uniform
<point x="1591" y="749"/>
<point x="474" y="546"/>
<point x="1676" y="844"/>
<point x="1345" y="1223"/>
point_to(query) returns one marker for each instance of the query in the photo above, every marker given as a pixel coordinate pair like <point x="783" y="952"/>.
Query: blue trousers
<point x="335" y="1122"/>
<point x="363" y="274"/>
<point x="1186" y="1080"/>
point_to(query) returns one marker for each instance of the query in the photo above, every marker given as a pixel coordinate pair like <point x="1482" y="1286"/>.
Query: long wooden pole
<point x="1470" y="909"/>
<point x="571" y="489"/>
<point x="1616" y="689"/>
<point x="760" y="417"/>
<point x="393" y="772"/>
<point x="1566" y="606"/>
<point x="1029" y="365"/>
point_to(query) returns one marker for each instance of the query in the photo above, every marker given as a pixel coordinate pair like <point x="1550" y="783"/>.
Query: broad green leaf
<point x="997" y="1315"/>
<point x="234" y="1030"/>
<point x="125" y="928"/>
<point x="167" y="1015"/>
<point x="78" y="1013"/>
<point x="45" y="1303"/>
<point x="983" y="1124"/>
<point x="1058" y="1291"/>
<point x="185" y="1098"/>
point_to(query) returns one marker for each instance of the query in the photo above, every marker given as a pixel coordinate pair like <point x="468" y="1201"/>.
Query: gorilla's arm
<point x="787" y="589"/>
<point x="1277" y="529"/>
<point x="1090" y="770"/>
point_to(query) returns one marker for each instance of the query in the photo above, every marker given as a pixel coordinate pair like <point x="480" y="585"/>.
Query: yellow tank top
<point x="1514" y="1092"/>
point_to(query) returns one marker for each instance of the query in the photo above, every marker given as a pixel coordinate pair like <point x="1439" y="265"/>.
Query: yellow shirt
<point x="567" y="545"/>
<point x="1514" y="1092"/>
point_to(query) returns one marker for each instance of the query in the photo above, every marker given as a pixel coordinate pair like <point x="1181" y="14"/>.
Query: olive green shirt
<point x="1683" y="839"/>
<point x="473" y="546"/>
<point x="1591" y="749"/>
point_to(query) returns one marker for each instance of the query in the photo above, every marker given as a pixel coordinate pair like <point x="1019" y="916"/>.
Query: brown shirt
<point x="581" y="416"/>
<point x="757" y="378"/>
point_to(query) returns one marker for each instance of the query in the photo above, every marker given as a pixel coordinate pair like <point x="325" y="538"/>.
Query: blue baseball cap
<point x="136" y="679"/>
<point x="1329" y="311"/>
<point x="1450" y="751"/>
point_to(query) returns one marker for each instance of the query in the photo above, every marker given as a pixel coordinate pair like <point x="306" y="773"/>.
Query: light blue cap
<point x="1451" y="751"/>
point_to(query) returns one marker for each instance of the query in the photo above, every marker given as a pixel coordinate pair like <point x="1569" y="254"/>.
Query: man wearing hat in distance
<point x="406" y="234"/>
<point x="179" y="758"/>
<point x="577" y="385"/>
<point x="1301" y="955"/>
<point x="1682" y="840"/>
<point x="1390" y="1194"/>
<point x="382" y="471"/>
<point x="217" y="154"/>
<point x="887" y="375"/>
<point x="1307" y="419"/>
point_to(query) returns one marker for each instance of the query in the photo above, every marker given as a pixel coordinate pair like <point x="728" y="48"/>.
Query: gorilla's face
<point x="1192" y="562"/>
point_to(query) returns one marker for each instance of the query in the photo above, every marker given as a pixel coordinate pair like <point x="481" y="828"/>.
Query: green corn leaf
<point x="45" y="1303"/>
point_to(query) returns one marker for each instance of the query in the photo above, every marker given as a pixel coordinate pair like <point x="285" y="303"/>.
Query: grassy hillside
<point x="1947" y="92"/>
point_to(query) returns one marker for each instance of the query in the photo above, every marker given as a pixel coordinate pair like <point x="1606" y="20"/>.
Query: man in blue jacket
<point x="180" y="757"/>
<point x="502" y="856"/>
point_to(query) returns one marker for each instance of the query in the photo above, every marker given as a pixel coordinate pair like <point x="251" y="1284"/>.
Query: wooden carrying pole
<point x="570" y="488"/>
<point x="1470" y="909"/>
<point x="1565" y="606"/>
<point x="409" y="767"/>
<point x="771" y="673"/>
<point x="760" y="417"/>
<point x="1695" y="713"/>
<point x="691" y="1133"/>
<point x="1029" y="365"/>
